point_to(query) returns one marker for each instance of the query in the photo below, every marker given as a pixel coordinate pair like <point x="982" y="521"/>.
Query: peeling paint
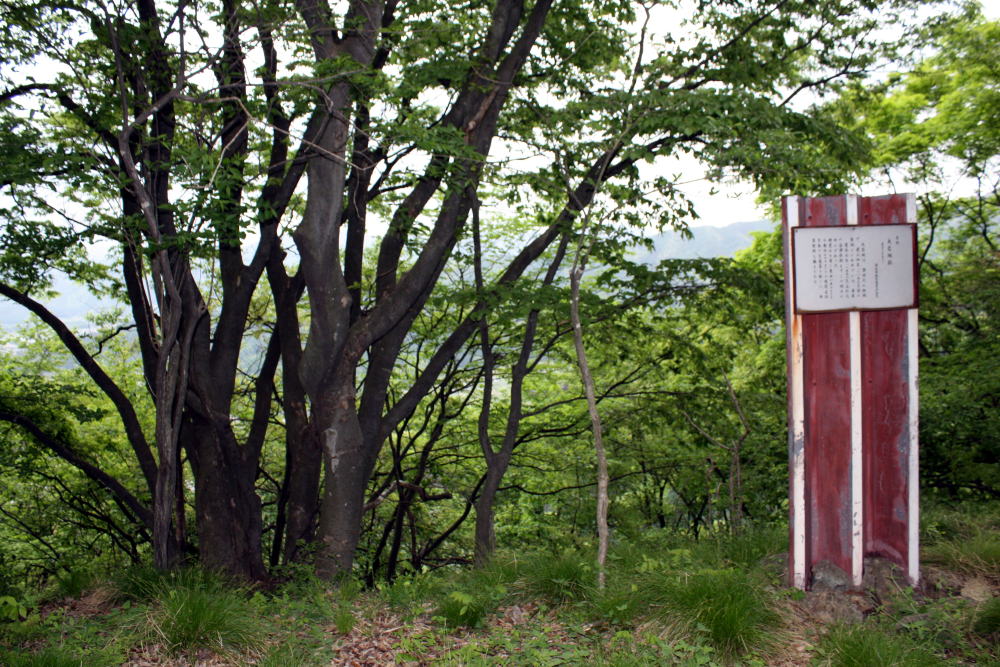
<point x="846" y="526"/>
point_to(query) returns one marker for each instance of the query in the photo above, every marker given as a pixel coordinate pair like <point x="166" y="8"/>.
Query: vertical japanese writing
<point x="856" y="267"/>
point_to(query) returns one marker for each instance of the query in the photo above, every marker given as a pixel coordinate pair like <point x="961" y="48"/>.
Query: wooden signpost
<point x="851" y="316"/>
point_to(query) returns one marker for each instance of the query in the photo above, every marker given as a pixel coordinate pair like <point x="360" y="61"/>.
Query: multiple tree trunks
<point x="852" y="415"/>
<point x="214" y="202"/>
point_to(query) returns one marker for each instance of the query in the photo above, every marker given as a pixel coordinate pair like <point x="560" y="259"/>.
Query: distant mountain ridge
<point x="74" y="302"/>
<point x="707" y="241"/>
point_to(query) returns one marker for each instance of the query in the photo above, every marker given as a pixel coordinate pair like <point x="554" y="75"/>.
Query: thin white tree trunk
<point x="595" y="419"/>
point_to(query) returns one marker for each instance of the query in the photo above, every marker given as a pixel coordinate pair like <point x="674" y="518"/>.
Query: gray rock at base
<point x="828" y="577"/>
<point x="883" y="579"/>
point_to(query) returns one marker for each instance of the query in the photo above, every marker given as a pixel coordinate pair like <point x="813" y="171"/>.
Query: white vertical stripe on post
<point x="857" y="470"/>
<point x="911" y="208"/>
<point x="857" y="465"/>
<point x="797" y="436"/>
<point x="912" y="473"/>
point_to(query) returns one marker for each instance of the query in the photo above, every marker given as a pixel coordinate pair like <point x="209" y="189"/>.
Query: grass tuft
<point x="861" y="646"/>
<point x="750" y="547"/>
<point x="191" y="618"/>
<point x="619" y="604"/>
<point x="977" y="555"/>
<point x="464" y="609"/>
<point x="190" y="609"/>
<point x="987" y="622"/>
<point x="144" y="583"/>
<point x="72" y="584"/>
<point x="557" y="579"/>
<point x="50" y="656"/>
<point x="476" y="594"/>
<point x="728" y="608"/>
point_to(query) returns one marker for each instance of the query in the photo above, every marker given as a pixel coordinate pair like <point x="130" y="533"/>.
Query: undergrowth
<point x="668" y="600"/>
<point x="863" y="646"/>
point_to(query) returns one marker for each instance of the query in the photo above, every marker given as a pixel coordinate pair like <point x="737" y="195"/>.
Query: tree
<point x="935" y="127"/>
<point x="181" y="134"/>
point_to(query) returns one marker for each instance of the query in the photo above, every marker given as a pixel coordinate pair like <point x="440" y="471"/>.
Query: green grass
<point x="669" y="601"/>
<point x="189" y="609"/>
<point x="727" y="608"/>
<point x="557" y="578"/>
<point x="407" y="592"/>
<point x="940" y="522"/>
<point x="292" y="655"/>
<point x="145" y="583"/>
<point x="987" y="620"/>
<point x="965" y="538"/>
<point x="72" y="584"/>
<point x="862" y="646"/>
<point x="46" y="657"/>
<point x="464" y="608"/>
<point x="975" y="555"/>
<point x="191" y="618"/>
<point x="475" y="594"/>
<point x="750" y="547"/>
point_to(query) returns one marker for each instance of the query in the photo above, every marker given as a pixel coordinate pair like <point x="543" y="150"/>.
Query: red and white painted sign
<point x="851" y="297"/>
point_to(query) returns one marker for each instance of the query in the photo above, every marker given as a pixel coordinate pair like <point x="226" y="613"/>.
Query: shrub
<point x="461" y="608"/>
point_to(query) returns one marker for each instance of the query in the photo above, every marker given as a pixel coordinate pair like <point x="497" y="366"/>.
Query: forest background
<point x="347" y="244"/>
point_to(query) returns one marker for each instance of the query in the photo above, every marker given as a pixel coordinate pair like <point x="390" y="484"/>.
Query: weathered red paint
<point x="827" y="376"/>
<point x="885" y="405"/>
<point x="838" y="523"/>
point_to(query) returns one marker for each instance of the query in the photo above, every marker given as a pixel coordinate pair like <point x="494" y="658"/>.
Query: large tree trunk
<point x="486" y="538"/>
<point x="347" y="468"/>
<point x="303" y="459"/>
<point x="337" y="342"/>
<point x="227" y="507"/>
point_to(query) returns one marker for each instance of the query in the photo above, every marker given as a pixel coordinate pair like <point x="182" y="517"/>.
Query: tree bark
<point x="227" y="508"/>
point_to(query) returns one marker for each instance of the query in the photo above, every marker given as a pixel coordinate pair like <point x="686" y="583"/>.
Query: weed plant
<point x="476" y="593"/>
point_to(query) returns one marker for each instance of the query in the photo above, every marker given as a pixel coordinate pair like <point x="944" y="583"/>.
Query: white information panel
<point x="854" y="267"/>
